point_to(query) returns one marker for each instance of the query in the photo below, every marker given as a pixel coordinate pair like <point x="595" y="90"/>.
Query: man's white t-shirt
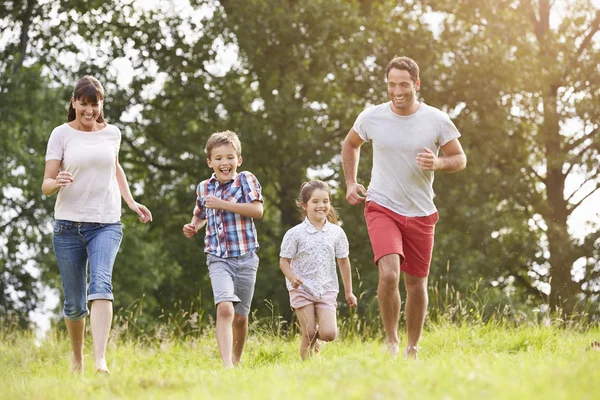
<point x="397" y="181"/>
<point x="94" y="194"/>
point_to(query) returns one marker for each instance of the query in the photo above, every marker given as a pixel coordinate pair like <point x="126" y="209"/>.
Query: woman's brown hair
<point x="90" y="90"/>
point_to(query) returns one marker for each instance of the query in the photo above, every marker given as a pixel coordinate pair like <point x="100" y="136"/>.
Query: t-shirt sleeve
<point x="118" y="144"/>
<point x="447" y="130"/>
<point x="200" y="208"/>
<point x="55" y="149"/>
<point x="289" y="245"/>
<point x="360" y="125"/>
<point x="342" y="247"/>
<point x="251" y="187"/>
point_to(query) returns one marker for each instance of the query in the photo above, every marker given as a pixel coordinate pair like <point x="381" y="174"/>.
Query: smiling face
<point x="87" y="113"/>
<point x="402" y="91"/>
<point x="318" y="206"/>
<point x="224" y="160"/>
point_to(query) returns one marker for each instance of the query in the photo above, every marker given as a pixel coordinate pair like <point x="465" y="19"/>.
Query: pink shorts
<point x="410" y="237"/>
<point x="300" y="298"/>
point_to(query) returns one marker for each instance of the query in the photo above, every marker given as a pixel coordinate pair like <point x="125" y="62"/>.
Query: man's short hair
<point x="406" y="64"/>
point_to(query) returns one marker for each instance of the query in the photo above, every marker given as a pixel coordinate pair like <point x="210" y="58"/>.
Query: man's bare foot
<point x="410" y="353"/>
<point x="77" y="366"/>
<point x="392" y="349"/>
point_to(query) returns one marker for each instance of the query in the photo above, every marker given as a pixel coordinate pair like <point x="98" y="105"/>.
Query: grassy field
<point x="455" y="363"/>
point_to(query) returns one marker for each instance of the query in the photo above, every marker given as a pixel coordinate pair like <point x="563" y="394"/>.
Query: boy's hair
<point x="306" y="191"/>
<point x="406" y="64"/>
<point x="223" y="138"/>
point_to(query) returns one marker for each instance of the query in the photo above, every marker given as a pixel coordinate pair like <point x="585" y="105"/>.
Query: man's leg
<point x="225" y="332"/>
<point x="415" y="310"/>
<point x="388" y="296"/>
<point x="240" y="332"/>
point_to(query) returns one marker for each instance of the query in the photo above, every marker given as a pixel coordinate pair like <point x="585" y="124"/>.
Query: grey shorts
<point x="233" y="280"/>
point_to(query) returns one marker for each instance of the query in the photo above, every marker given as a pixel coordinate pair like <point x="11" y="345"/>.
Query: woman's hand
<point x="141" y="210"/>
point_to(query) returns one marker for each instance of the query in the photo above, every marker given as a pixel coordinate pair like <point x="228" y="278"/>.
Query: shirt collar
<point x="311" y="229"/>
<point x="213" y="179"/>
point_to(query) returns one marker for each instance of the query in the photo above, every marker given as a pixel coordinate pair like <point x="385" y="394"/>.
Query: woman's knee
<point x="75" y="311"/>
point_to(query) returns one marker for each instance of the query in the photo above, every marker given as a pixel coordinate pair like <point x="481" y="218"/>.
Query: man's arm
<point x="350" y="157"/>
<point x="453" y="160"/>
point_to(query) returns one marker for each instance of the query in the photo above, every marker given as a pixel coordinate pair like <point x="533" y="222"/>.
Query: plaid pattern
<point x="228" y="234"/>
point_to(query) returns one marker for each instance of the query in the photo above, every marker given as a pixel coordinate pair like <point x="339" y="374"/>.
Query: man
<point x="399" y="210"/>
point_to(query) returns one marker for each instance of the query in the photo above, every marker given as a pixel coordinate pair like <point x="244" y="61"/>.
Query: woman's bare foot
<point x="77" y="365"/>
<point x="392" y="349"/>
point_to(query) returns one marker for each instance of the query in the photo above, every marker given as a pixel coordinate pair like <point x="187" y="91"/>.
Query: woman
<point x="82" y="165"/>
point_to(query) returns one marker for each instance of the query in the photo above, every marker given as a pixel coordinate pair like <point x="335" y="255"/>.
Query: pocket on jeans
<point x="57" y="229"/>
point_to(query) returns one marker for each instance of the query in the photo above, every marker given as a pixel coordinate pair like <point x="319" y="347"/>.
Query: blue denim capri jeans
<point x="78" y="245"/>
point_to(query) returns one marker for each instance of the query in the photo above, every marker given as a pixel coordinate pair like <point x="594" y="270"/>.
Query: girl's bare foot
<point x="410" y="353"/>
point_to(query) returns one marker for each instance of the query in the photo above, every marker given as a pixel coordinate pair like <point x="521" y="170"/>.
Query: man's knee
<point x="389" y="269"/>
<point x="415" y="284"/>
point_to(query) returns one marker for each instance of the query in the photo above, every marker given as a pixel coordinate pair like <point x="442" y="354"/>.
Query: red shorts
<point x="410" y="237"/>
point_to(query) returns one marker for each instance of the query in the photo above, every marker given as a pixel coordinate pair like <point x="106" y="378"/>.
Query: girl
<point x="308" y="254"/>
<point x="82" y="166"/>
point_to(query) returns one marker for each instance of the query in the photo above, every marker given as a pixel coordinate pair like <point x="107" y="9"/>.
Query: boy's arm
<point x="344" y="265"/>
<point x="286" y="268"/>
<point x="251" y="210"/>
<point x="193" y="227"/>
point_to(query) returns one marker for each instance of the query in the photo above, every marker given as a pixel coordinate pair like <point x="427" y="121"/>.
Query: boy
<point x="227" y="202"/>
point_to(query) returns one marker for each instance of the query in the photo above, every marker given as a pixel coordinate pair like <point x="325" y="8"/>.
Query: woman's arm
<point x="54" y="180"/>
<point x="141" y="210"/>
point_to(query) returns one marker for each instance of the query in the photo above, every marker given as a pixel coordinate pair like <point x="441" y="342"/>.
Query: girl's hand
<point x="296" y="281"/>
<point x="351" y="299"/>
<point x="141" y="210"/>
<point x="189" y="230"/>
<point x="64" y="179"/>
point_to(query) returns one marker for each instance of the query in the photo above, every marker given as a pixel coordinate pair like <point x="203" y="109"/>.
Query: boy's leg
<point x="222" y="282"/>
<point x="244" y="282"/>
<point x="240" y="332"/>
<point x="308" y="326"/>
<point x="225" y="332"/>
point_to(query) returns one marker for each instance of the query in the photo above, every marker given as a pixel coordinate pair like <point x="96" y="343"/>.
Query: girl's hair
<point x="90" y="90"/>
<point x="306" y="191"/>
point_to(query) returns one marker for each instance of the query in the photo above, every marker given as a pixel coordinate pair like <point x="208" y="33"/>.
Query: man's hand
<point x="353" y="193"/>
<point x="428" y="161"/>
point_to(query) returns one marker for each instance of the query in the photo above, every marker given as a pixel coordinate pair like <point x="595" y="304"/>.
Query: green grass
<point x="468" y="362"/>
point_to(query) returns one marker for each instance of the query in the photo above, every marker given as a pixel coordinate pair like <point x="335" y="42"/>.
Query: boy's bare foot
<point x="410" y="353"/>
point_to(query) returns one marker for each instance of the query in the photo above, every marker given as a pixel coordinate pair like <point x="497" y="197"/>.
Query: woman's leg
<point x="71" y="257"/>
<point x="308" y="326"/>
<point x="102" y="246"/>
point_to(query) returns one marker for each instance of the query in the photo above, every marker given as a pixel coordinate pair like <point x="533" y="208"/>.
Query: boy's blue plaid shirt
<point x="228" y="234"/>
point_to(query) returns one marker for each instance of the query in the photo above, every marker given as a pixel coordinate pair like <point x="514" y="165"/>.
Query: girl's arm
<point x="286" y="268"/>
<point x="141" y="210"/>
<point x="252" y="210"/>
<point x="344" y="265"/>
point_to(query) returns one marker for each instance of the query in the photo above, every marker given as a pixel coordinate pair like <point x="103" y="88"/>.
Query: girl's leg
<point x="308" y="325"/>
<point x="225" y="332"/>
<point x="327" y="324"/>
<point x="100" y="322"/>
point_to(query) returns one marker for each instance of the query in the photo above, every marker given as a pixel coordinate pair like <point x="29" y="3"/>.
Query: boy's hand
<point x="296" y="281"/>
<point x="214" y="203"/>
<point x="351" y="299"/>
<point x="189" y="230"/>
